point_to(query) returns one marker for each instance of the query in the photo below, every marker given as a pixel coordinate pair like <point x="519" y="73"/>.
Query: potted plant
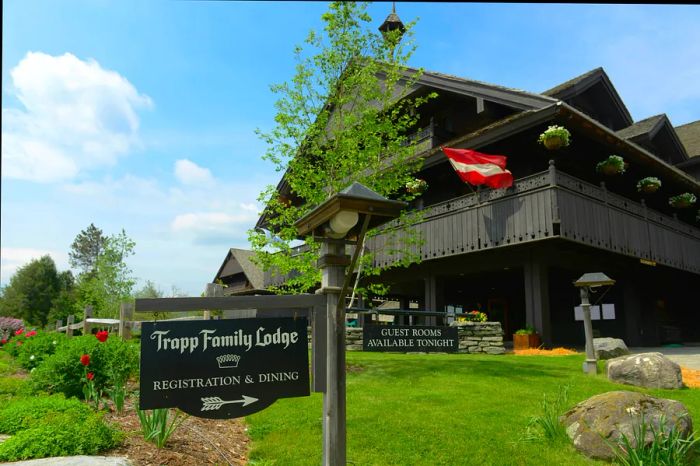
<point x="650" y="184"/>
<point x="613" y="165"/>
<point x="555" y="137"/>
<point x="682" y="201"/>
<point x="416" y="186"/>
<point x="526" y="338"/>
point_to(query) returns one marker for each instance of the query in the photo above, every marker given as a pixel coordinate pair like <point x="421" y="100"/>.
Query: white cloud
<point x="13" y="258"/>
<point x="189" y="173"/>
<point x="210" y="221"/>
<point x="76" y="116"/>
<point x="250" y="207"/>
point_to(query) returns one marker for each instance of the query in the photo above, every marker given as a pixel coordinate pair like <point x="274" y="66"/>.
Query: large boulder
<point x="601" y="420"/>
<point x="651" y="370"/>
<point x="608" y="348"/>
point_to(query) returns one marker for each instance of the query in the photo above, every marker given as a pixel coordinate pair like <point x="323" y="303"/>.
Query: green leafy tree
<point x="34" y="290"/>
<point x="149" y="290"/>
<point x="86" y="248"/>
<point x="345" y="116"/>
<point x="111" y="282"/>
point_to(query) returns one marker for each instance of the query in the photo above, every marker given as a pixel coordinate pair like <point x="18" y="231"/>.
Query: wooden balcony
<point x="547" y="205"/>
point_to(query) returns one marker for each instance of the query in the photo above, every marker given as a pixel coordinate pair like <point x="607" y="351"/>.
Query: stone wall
<point x="480" y="337"/>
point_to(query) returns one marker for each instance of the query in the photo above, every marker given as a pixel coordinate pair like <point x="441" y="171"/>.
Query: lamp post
<point x="341" y="219"/>
<point x="586" y="283"/>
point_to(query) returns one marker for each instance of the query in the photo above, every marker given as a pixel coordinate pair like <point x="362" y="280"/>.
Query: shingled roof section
<point x="252" y="272"/>
<point x="647" y="125"/>
<point x="689" y="135"/>
<point x="561" y="89"/>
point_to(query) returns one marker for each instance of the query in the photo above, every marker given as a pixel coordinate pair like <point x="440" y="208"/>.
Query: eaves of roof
<point x="580" y="83"/>
<point x="514" y="98"/>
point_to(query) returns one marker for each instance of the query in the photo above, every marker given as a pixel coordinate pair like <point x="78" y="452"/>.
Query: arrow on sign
<point x="212" y="403"/>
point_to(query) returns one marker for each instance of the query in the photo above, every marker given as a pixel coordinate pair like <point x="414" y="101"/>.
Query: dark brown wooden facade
<point x="515" y="252"/>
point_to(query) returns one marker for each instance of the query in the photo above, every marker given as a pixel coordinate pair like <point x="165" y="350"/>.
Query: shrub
<point x="37" y="348"/>
<point x="110" y="362"/>
<point x="8" y="327"/>
<point x="10" y="385"/>
<point x="22" y="413"/>
<point x="64" y="433"/>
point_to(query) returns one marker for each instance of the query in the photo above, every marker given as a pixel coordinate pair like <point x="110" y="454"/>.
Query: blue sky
<point x="141" y="114"/>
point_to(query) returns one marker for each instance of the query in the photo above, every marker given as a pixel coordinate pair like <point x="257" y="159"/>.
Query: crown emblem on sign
<point x="227" y="361"/>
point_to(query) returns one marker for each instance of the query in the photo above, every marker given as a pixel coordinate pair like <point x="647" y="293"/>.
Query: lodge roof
<point x="646" y="126"/>
<point x="689" y="134"/>
<point x="237" y="261"/>
<point x="516" y="98"/>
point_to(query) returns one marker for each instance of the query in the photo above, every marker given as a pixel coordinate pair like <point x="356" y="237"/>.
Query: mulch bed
<point x="195" y="442"/>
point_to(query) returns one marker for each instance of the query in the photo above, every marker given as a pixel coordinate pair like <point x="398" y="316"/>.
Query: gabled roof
<point x="579" y="85"/>
<point x="648" y="126"/>
<point x="515" y="98"/>
<point x="659" y="135"/>
<point x="237" y="261"/>
<point x="689" y="134"/>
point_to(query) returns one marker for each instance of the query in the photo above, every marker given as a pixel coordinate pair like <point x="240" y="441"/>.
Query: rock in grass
<point x="651" y="370"/>
<point x="609" y="415"/>
<point x="608" y="348"/>
<point x="76" y="461"/>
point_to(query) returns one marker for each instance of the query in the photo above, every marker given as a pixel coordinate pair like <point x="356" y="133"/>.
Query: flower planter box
<point x="521" y="342"/>
<point x="610" y="170"/>
<point x="553" y="142"/>
<point x="650" y="188"/>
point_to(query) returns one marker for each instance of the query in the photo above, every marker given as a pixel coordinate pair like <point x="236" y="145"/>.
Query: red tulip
<point x="3" y="341"/>
<point x="85" y="359"/>
<point x="31" y="334"/>
<point x="19" y="332"/>
<point x="90" y="376"/>
<point x="102" y="335"/>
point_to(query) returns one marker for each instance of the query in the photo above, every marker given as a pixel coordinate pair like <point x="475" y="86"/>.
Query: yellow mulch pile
<point x="691" y="377"/>
<point x="545" y="352"/>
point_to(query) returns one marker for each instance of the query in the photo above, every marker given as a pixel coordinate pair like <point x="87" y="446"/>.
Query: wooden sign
<point x="222" y="369"/>
<point x="401" y="338"/>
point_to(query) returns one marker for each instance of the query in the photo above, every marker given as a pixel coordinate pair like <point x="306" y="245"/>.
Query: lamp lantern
<point x="586" y="283"/>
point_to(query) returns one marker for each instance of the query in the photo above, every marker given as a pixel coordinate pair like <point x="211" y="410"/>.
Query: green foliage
<point x="34" y="290"/>
<point x="529" y="330"/>
<point x="667" y="447"/>
<point x="345" y="116"/>
<point x="547" y="425"/>
<point x="648" y="181"/>
<point x="21" y="413"/>
<point x="60" y="433"/>
<point x="110" y="362"/>
<point x="86" y="248"/>
<point x="556" y="131"/>
<point x="37" y="348"/>
<point x="157" y="426"/>
<point x="614" y="162"/>
<point x="682" y="200"/>
<point x="110" y="282"/>
<point x="11" y="385"/>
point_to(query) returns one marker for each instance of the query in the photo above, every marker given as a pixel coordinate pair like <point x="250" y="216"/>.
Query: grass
<point x="439" y="410"/>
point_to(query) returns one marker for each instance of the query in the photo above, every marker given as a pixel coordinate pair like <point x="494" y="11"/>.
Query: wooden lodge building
<point x="514" y="253"/>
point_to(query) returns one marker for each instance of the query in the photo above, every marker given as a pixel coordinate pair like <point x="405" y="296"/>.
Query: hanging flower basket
<point x="555" y="137"/>
<point x="613" y="165"/>
<point x="648" y="185"/>
<point x="416" y="186"/>
<point x="682" y="201"/>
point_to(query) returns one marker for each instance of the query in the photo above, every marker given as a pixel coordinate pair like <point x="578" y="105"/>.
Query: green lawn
<point x="438" y="409"/>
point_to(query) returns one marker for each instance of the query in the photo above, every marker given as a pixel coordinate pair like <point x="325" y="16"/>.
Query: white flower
<point x="32" y="369"/>
<point x="54" y="342"/>
<point x="31" y="358"/>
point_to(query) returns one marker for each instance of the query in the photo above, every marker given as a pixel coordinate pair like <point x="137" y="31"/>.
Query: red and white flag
<point x="476" y="168"/>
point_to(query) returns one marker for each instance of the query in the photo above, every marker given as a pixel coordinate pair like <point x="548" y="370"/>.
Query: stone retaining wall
<point x="474" y="337"/>
<point x="480" y="337"/>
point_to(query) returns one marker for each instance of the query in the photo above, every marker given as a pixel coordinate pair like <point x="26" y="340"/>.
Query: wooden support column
<point x="87" y="328"/>
<point x="433" y="298"/>
<point x="404" y="304"/>
<point x="631" y="313"/>
<point x="536" y="283"/>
